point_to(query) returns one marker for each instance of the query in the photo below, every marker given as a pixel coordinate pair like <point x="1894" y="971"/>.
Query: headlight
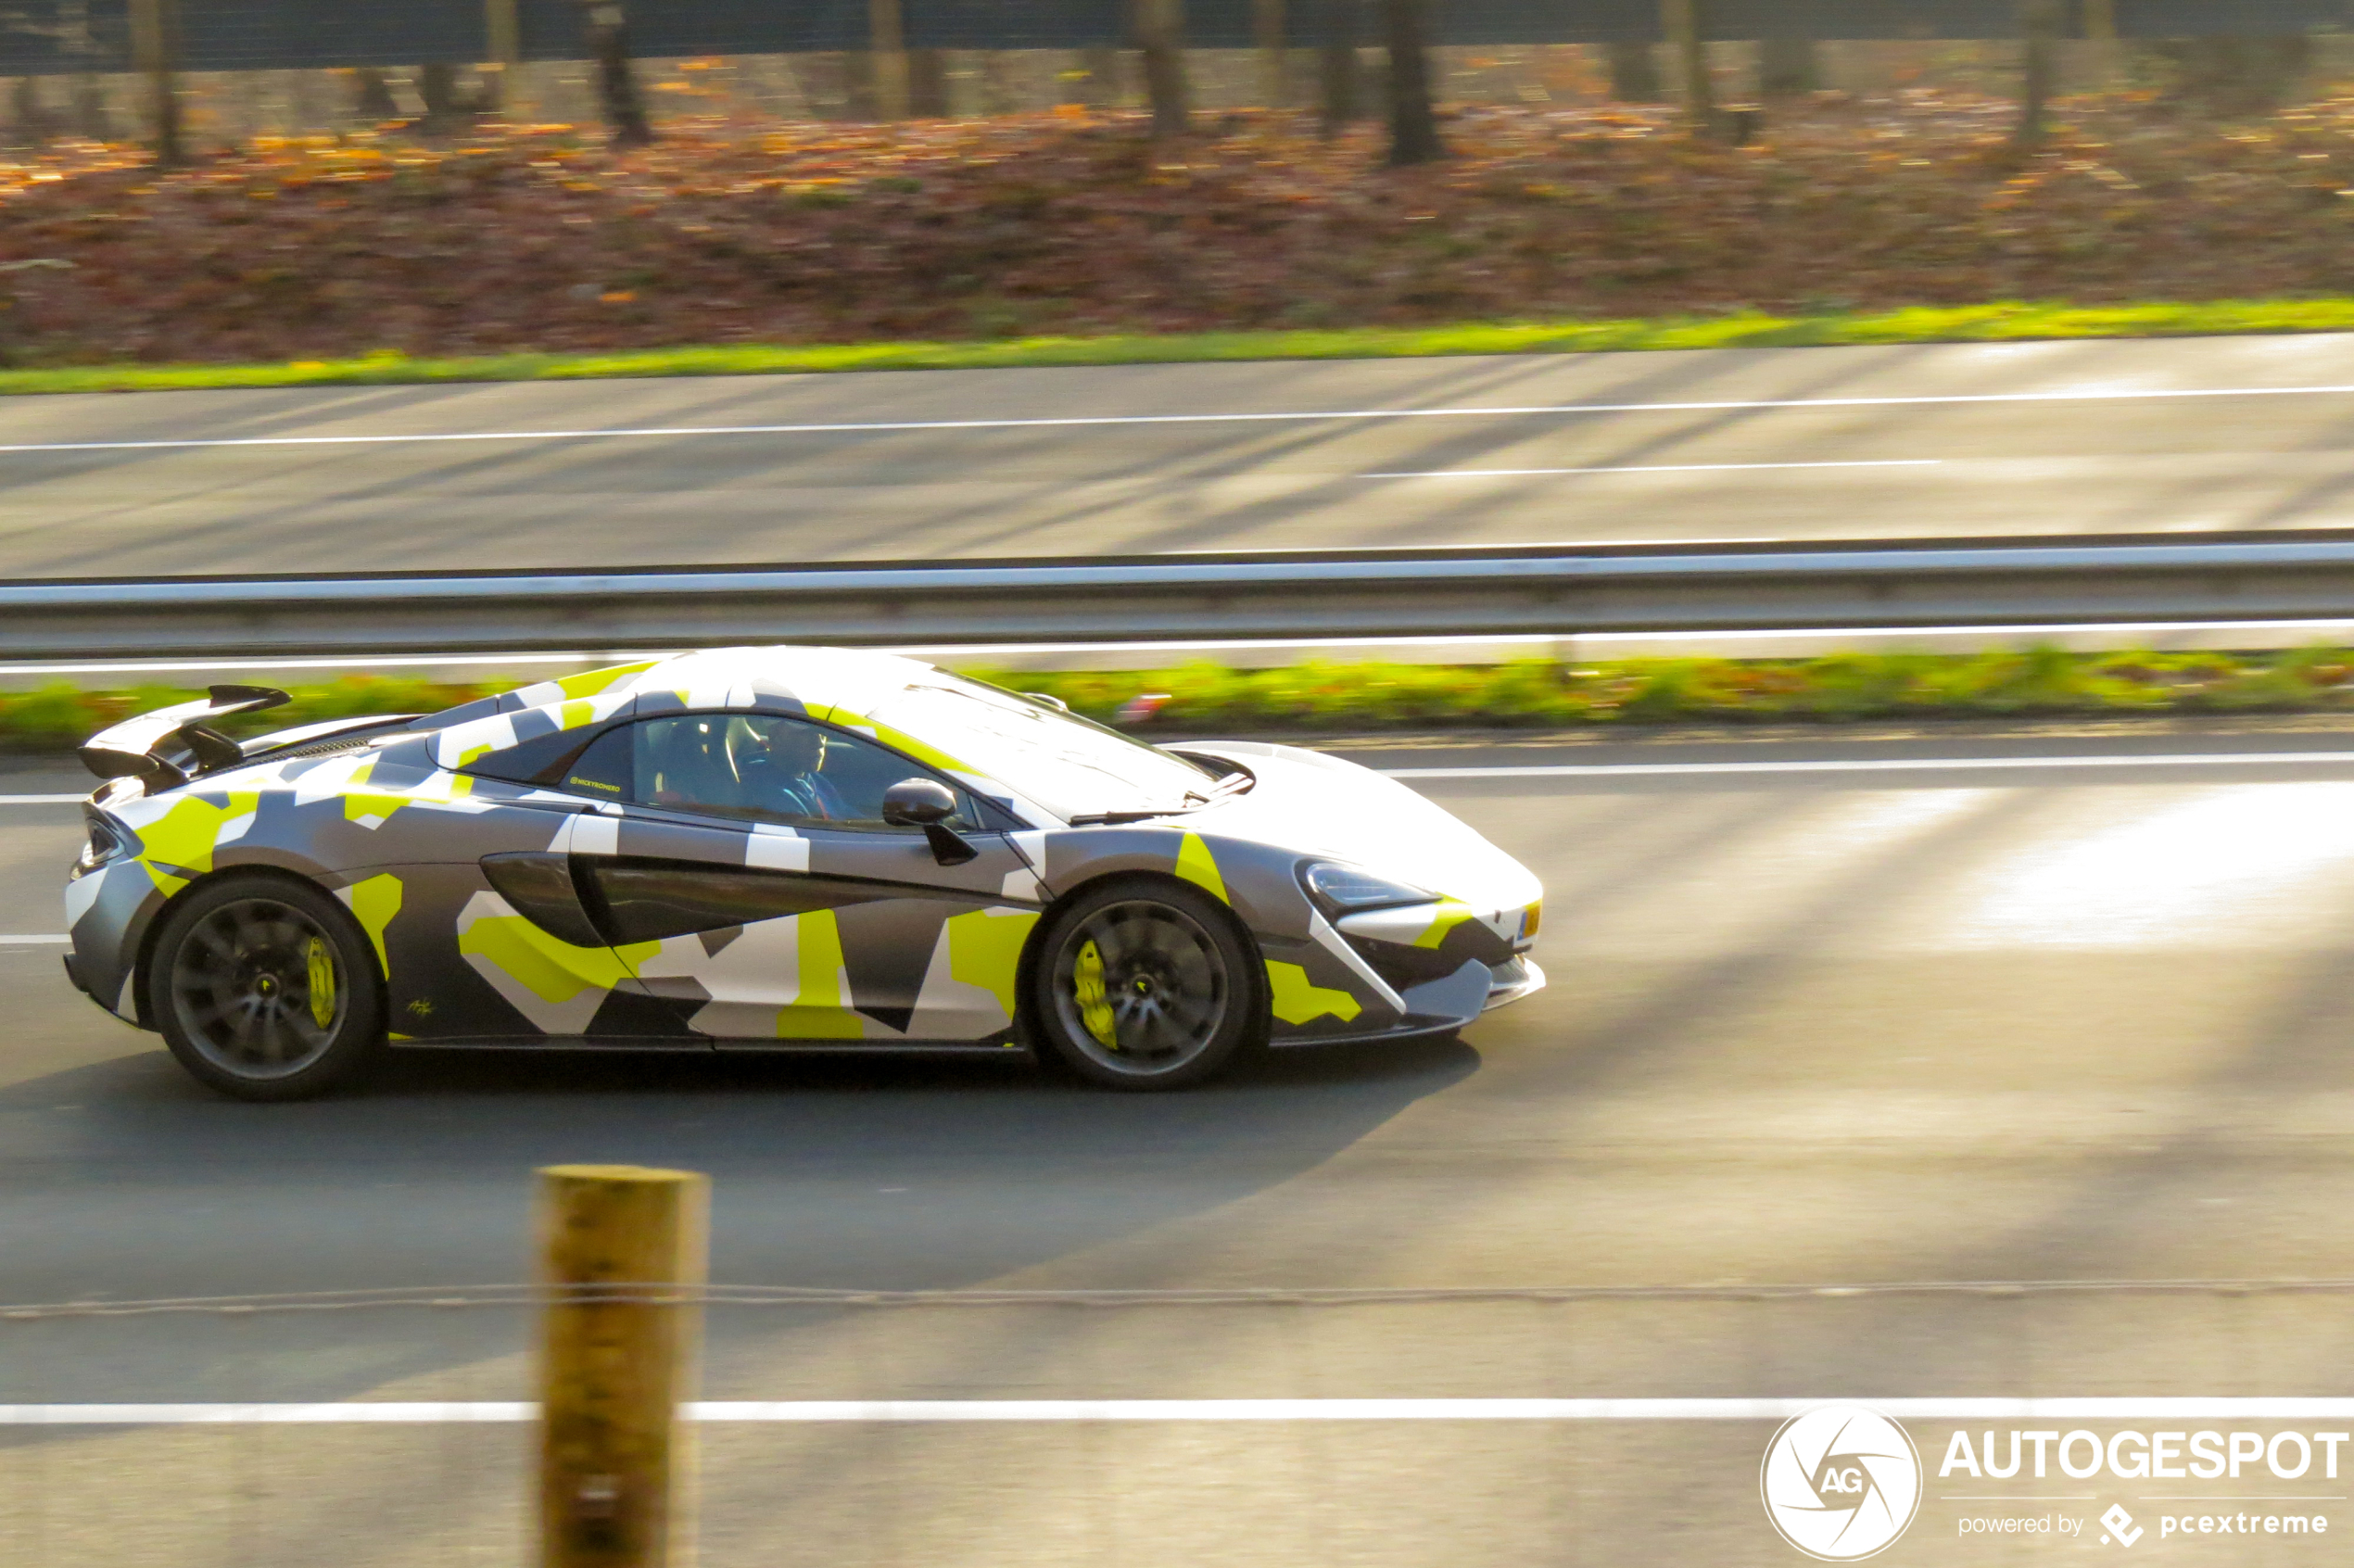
<point x="1338" y="887"/>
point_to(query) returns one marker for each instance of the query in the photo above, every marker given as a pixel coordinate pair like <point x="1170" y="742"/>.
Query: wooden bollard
<point x="619" y="1351"/>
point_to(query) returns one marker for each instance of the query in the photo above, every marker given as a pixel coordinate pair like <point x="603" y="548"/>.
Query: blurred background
<point x="718" y="175"/>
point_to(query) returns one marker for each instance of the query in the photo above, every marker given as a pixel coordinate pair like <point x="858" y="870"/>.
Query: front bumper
<point x="1443" y="1007"/>
<point x="1515" y="979"/>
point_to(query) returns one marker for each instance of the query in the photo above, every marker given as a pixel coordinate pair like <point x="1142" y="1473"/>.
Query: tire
<point x="266" y="989"/>
<point x="1144" y="984"/>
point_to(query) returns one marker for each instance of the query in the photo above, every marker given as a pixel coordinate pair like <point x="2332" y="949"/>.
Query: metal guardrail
<point x="1835" y="586"/>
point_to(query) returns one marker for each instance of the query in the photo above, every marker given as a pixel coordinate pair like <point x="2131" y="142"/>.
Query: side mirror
<point x="917" y="802"/>
<point x="927" y="803"/>
<point x="1054" y="702"/>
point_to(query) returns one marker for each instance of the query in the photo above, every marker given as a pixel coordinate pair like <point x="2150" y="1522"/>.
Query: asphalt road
<point x="2050" y="1023"/>
<point x="1953" y="439"/>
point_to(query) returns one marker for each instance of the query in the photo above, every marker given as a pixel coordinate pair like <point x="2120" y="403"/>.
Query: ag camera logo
<point x="1840" y="1482"/>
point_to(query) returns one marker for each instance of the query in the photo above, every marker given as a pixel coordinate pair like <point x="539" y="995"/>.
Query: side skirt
<point x="1420" y="1031"/>
<point x="702" y="1045"/>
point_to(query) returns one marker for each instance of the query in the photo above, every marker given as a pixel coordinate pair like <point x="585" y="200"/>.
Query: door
<point x="753" y="883"/>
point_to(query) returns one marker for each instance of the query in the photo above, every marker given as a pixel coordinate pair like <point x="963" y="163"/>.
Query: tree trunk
<point x="1098" y="86"/>
<point x="1340" y="85"/>
<point x="2109" y="59"/>
<point x="372" y="96"/>
<point x="624" y="111"/>
<point x="154" y="48"/>
<point x="1633" y="73"/>
<point x="887" y="57"/>
<point x="1786" y="68"/>
<point x="1160" y="29"/>
<point x="1686" y="29"/>
<point x="503" y="33"/>
<point x="1000" y="92"/>
<point x="91" y="120"/>
<point x="1414" y="127"/>
<point x="437" y="86"/>
<point x="1274" y="57"/>
<point x="85" y="98"/>
<point x="2040" y="22"/>
<point x="30" y="117"/>
<point x="926" y="84"/>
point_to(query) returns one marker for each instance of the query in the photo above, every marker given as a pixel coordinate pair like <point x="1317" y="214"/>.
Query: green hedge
<point x="1997" y="321"/>
<point x="1533" y="694"/>
<point x="63" y="714"/>
<point x="1831" y="688"/>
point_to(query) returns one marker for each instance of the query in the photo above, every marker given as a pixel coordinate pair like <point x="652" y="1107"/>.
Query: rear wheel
<point x="1144" y="984"/>
<point x="265" y="988"/>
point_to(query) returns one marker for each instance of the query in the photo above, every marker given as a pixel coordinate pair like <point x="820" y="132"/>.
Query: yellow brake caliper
<point x="323" y="983"/>
<point x="1087" y="986"/>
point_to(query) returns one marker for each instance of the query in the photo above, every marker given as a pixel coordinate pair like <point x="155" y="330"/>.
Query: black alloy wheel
<point x="265" y="988"/>
<point x="1144" y="984"/>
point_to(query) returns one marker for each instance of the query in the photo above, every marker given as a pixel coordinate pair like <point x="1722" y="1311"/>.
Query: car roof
<point x="846" y="687"/>
<point x="841" y="684"/>
<point x="722" y="677"/>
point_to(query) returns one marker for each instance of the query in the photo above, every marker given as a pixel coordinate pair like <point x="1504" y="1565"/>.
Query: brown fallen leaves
<point x="728" y="232"/>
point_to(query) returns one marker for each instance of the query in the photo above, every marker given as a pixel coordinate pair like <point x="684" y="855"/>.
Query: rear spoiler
<point x="144" y="748"/>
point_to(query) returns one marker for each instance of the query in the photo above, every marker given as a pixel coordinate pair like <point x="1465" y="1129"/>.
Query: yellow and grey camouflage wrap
<point x="505" y="912"/>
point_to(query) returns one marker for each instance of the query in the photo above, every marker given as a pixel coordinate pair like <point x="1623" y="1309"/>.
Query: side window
<point x="527" y="761"/>
<point x="605" y="769"/>
<point x="755" y="766"/>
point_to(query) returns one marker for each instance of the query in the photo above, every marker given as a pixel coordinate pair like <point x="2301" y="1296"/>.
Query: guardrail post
<point x="623" y="1255"/>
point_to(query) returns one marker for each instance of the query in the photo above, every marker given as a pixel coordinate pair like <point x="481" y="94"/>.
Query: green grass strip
<point x="1965" y="323"/>
<point x="1533" y="694"/>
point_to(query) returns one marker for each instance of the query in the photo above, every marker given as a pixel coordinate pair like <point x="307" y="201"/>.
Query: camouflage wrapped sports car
<point x="770" y="847"/>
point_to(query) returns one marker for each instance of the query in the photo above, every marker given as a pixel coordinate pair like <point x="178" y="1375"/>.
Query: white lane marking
<point x="5" y="941"/>
<point x="239" y="1415"/>
<point x="43" y="800"/>
<point x="1961" y="1408"/>
<point x="1070" y="422"/>
<point x="1873" y="765"/>
<point x="1653" y="468"/>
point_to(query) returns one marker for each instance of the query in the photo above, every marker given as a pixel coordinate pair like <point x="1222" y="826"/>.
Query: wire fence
<point x="234" y="106"/>
<point x="1142" y="1426"/>
<point x="70" y="35"/>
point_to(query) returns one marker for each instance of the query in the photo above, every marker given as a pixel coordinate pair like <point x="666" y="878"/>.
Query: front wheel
<point x="1143" y="984"/>
<point x="265" y="988"/>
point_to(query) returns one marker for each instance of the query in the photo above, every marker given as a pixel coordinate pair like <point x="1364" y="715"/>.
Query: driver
<point x="788" y="772"/>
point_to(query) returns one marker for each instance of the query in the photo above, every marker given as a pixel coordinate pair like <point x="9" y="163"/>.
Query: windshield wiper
<point x="1111" y="818"/>
<point x="1232" y="784"/>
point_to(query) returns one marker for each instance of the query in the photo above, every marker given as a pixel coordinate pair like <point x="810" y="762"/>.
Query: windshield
<point x="1071" y="765"/>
